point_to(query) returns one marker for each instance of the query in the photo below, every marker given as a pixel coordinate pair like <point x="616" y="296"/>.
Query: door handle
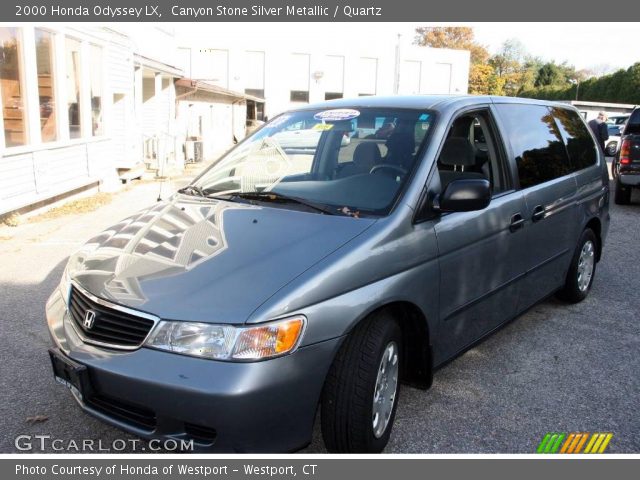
<point x="538" y="213"/>
<point x="517" y="222"/>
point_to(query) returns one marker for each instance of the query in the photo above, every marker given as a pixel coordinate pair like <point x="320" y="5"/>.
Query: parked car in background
<point x="626" y="165"/>
<point x="279" y="282"/>
<point x="618" y="119"/>
<point x="613" y="142"/>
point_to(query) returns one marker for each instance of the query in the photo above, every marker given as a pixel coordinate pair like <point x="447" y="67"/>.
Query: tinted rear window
<point x="537" y="145"/>
<point x="580" y="145"/>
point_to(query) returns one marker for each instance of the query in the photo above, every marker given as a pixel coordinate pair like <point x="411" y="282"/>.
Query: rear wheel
<point x="582" y="269"/>
<point x="360" y="395"/>
<point x="622" y="194"/>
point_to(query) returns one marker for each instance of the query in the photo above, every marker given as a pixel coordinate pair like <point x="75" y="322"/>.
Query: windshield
<point x="353" y="161"/>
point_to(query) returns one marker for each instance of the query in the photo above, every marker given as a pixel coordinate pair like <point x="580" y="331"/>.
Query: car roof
<point x="425" y="102"/>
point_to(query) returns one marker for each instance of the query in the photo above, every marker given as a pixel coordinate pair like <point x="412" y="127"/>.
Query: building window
<point x="254" y="92"/>
<point x="46" y="87"/>
<point x="367" y="76"/>
<point x="332" y="95"/>
<point x="254" y="73"/>
<point x="213" y="66"/>
<point x="333" y="80"/>
<point x="410" y="76"/>
<point x="11" y="87"/>
<point x="97" y="127"/>
<point x="72" y="48"/>
<point x="300" y="96"/>
<point x="299" y="77"/>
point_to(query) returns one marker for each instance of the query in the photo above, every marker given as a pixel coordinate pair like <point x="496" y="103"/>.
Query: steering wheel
<point x="388" y="166"/>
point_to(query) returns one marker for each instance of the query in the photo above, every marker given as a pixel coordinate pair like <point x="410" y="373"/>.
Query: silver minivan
<point x="320" y="264"/>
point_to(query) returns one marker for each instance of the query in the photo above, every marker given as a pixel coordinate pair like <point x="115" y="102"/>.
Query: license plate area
<point x="73" y="375"/>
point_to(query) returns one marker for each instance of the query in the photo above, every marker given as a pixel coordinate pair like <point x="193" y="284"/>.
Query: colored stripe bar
<point x="583" y="439"/>
<point x="543" y="443"/>
<point x="607" y="439"/>
<point x="567" y="442"/>
<point x="550" y="443"/>
<point x="596" y="446"/>
<point x="555" y="447"/>
<point x="592" y="441"/>
<point x="575" y="442"/>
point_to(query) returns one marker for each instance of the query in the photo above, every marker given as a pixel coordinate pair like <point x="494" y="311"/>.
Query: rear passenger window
<point x="580" y="145"/>
<point x="537" y="146"/>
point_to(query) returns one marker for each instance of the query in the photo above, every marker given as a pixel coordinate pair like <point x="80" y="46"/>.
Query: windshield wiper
<point x="281" y="198"/>
<point x="193" y="190"/>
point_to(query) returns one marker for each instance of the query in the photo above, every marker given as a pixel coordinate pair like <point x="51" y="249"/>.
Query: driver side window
<point x="471" y="151"/>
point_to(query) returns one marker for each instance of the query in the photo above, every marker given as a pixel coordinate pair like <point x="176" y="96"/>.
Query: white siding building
<point x="287" y="72"/>
<point x="77" y="103"/>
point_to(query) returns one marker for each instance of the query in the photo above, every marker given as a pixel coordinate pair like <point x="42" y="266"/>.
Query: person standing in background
<point x="599" y="128"/>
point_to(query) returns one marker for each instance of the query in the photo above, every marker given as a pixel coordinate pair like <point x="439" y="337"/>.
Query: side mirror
<point x="464" y="195"/>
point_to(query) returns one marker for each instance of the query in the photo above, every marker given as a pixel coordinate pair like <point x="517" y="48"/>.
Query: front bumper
<point x="266" y="406"/>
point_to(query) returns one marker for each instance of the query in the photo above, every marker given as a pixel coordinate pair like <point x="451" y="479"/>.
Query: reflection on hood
<point x="165" y="239"/>
<point x="207" y="260"/>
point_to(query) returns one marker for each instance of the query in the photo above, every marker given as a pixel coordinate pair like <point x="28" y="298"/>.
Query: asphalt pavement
<point x="558" y="368"/>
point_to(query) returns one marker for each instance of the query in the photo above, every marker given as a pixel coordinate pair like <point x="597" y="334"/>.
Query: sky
<point x="583" y="45"/>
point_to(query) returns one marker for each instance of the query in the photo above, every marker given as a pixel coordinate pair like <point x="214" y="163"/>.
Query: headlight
<point x="226" y="342"/>
<point x="65" y="285"/>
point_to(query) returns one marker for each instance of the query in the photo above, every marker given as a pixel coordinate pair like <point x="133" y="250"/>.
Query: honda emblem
<point x="89" y="319"/>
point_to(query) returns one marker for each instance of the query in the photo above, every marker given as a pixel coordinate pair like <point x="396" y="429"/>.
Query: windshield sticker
<point x="322" y="126"/>
<point x="337" y="115"/>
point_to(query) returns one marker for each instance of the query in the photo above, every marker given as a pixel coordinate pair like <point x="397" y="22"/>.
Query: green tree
<point x="622" y="86"/>
<point x="508" y="64"/>
<point x="458" y="38"/>
<point x="549" y="74"/>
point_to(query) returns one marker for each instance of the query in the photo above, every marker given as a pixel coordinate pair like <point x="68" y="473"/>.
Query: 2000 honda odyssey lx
<point x="321" y="263"/>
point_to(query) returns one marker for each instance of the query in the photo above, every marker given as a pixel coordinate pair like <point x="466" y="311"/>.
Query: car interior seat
<point x="457" y="157"/>
<point x="365" y="156"/>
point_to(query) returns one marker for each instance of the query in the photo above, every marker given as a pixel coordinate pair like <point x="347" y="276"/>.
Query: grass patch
<point x="82" y="205"/>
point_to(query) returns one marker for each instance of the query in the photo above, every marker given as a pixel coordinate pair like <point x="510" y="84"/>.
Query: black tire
<point x="622" y="195"/>
<point x="347" y="412"/>
<point x="574" y="290"/>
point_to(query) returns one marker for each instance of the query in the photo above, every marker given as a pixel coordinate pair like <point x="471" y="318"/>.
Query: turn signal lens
<point x="276" y="338"/>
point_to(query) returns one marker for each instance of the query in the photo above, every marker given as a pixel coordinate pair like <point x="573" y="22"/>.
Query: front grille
<point x="110" y="327"/>
<point x="135" y="415"/>
<point x="200" y="433"/>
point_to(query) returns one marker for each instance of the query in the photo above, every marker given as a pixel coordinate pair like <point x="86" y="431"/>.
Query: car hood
<point x="206" y="260"/>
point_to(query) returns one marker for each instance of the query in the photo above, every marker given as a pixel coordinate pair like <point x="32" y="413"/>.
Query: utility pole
<point x="396" y="76"/>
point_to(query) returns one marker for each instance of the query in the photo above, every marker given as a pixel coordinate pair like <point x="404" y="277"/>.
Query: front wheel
<point x="582" y="269"/>
<point x="360" y="395"/>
